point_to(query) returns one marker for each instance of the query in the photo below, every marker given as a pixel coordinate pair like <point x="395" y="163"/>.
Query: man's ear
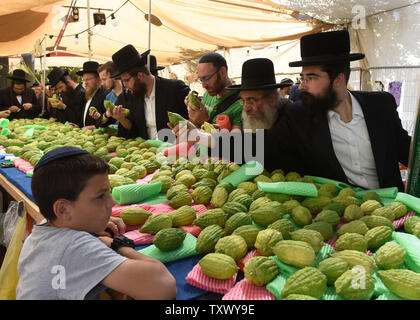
<point x="340" y="80"/>
<point x="63" y="209"/>
<point x="223" y="72"/>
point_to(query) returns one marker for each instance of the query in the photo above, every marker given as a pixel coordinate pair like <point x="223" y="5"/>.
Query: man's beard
<point x="69" y="90"/>
<point x="89" y="92"/>
<point x="264" y="119"/>
<point x="139" y="89"/>
<point x="322" y="104"/>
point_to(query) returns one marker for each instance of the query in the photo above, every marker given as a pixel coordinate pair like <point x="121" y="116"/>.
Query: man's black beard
<point x="69" y="91"/>
<point x="140" y="89"/>
<point x="320" y="104"/>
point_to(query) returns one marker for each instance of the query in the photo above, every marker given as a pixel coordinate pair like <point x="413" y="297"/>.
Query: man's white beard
<point x="264" y="119"/>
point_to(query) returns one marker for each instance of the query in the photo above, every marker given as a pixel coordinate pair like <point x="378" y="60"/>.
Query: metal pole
<point x="89" y="31"/>
<point x="150" y="32"/>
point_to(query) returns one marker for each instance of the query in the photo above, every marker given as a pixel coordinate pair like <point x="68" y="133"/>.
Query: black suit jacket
<point x="75" y="104"/>
<point x="169" y="96"/>
<point x="301" y="141"/>
<point x="97" y="102"/>
<point x="8" y="99"/>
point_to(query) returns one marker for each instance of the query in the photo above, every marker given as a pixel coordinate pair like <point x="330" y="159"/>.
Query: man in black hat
<point x="72" y="94"/>
<point x="95" y="95"/>
<point x="212" y="71"/>
<point x="262" y="107"/>
<point x="285" y="87"/>
<point x="154" y="68"/>
<point x="150" y="97"/>
<point x="18" y="99"/>
<point x="350" y="136"/>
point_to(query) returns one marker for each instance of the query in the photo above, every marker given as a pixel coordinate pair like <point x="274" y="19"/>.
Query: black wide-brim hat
<point x="18" y="75"/>
<point x="128" y="58"/>
<point x="153" y="64"/>
<point x="326" y="48"/>
<point x="286" y="83"/>
<point x="55" y="75"/>
<point x="257" y="74"/>
<point x="89" y="67"/>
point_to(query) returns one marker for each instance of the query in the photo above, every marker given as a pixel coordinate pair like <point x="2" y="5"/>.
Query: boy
<point x="61" y="259"/>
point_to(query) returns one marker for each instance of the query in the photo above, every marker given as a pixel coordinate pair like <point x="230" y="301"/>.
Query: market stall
<point x="242" y="232"/>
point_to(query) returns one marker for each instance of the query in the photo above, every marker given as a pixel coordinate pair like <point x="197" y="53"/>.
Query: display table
<point x="18" y="186"/>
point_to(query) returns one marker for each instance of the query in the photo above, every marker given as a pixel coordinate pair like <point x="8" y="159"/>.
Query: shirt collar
<point x="152" y="94"/>
<point x="356" y="109"/>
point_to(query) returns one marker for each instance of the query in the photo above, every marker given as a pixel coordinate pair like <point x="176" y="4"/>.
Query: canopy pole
<point x="89" y="31"/>
<point x="150" y="32"/>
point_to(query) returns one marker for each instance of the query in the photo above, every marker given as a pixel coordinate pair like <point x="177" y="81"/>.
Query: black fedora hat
<point x="153" y="64"/>
<point x="286" y="82"/>
<point x="55" y="75"/>
<point x="89" y="67"/>
<point x="18" y="75"/>
<point x="326" y="48"/>
<point x="128" y="58"/>
<point x="257" y="74"/>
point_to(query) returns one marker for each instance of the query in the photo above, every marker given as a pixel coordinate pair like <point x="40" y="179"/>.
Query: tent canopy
<point x="181" y="29"/>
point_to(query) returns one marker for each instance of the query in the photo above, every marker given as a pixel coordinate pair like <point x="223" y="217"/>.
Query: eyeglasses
<point x="309" y="79"/>
<point x="252" y="102"/>
<point x="88" y="79"/>
<point x="126" y="80"/>
<point x="207" y="79"/>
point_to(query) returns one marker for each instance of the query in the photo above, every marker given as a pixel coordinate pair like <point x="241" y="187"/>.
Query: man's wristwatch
<point x="121" y="241"/>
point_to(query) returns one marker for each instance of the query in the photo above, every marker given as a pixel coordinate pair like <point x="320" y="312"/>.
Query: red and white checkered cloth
<point x="245" y="290"/>
<point x="197" y="278"/>
<point x="400" y="222"/>
<point x="139" y="238"/>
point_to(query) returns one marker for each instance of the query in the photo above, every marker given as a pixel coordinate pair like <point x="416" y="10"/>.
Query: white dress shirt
<point x="150" y="113"/>
<point x="87" y="108"/>
<point x="19" y="98"/>
<point x="352" y="147"/>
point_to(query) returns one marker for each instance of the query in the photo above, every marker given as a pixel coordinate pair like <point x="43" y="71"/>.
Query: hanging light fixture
<point x="114" y="21"/>
<point x="76" y="39"/>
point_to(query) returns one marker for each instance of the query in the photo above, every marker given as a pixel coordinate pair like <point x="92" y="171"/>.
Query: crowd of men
<point x="316" y="126"/>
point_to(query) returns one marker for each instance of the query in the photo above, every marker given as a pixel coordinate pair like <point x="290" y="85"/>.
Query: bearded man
<point x="17" y="101"/>
<point x="70" y="107"/>
<point x="350" y="136"/>
<point x="149" y="98"/>
<point x="95" y="95"/>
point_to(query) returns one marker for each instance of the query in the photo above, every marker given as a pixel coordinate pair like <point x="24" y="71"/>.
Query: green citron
<point x="218" y="265"/>
<point x="109" y="105"/>
<point x="193" y="99"/>
<point x="134" y="216"/>
<point x="308" y="281"/>
<point x="175" y="118"/>
<point x="260" y="270"/>
<point x="356" y="258"/>
<point x="297" y="253"/>
<point x="351" y="241"/>
<point x="93" y="109"/>
<point x="233" y="245"/>
<point x="312" y="237"/>
<point x="390" y="256"/>
<point x="404" y="283"/>
<point x="333" y="268"/>
<point x="208" y="238"/>
<point x="266" y="240"/>
<point x="156" y="223"/>
<point x="208" y="127"/>
<point x="182" y="216"/>
<point x="169" y="239"/>
<point x="347" y="285"/>
<point x="249" y="232"/>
